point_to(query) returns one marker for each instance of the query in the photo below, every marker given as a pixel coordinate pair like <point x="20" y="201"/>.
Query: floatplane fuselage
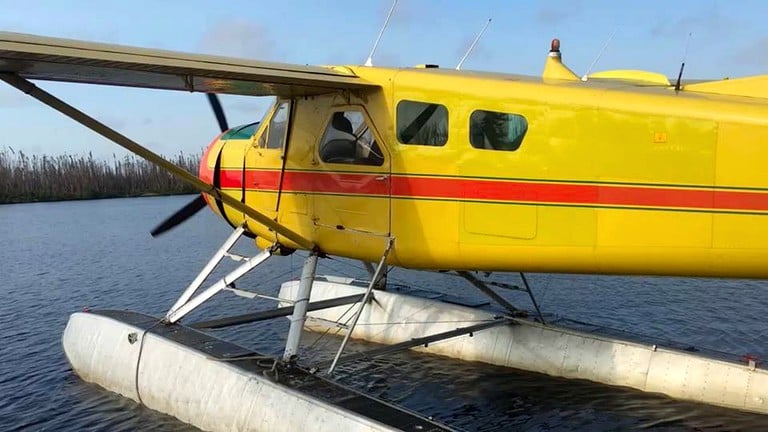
<point x="511" y="173"/>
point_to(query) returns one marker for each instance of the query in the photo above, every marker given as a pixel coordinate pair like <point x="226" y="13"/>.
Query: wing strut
<point x="36" y="92"/>
<point x="380" y="270"/>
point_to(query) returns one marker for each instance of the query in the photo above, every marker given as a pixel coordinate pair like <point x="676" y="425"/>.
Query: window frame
<point x="286" y="129"/>
<point x="439" y="106"/>
<point x="261" y="137"/>
<point x="371" y="127"/>
<point x="509" y="115"/>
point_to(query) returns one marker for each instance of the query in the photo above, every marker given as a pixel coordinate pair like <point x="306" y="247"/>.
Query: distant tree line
<point x="68" y="177"/>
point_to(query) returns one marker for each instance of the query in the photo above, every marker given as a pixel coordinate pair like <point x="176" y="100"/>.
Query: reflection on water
<point x="476" y="396"/>
<point x="60" y="257"/>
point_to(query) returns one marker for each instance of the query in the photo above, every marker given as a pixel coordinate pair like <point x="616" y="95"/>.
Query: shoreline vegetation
<point x="37" y="178"/>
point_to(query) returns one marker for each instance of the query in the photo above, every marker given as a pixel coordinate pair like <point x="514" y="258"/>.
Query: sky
<point x="727" y="38"/>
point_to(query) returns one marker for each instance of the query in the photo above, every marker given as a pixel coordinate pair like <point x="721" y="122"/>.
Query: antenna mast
<point x="369" y="61"/>
<point x="682" y="66"/>
<point x="474" y="42"/>
<point x="599" y="54"/>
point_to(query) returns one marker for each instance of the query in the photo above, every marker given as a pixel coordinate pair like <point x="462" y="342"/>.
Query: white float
<point x="199" y="389"/>
<point x="394" y="318"/>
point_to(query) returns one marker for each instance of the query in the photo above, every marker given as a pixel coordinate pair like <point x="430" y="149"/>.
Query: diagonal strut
<point x="36" y="92"/>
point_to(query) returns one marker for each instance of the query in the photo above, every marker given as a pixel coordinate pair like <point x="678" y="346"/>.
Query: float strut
<point x="206" y="271"/>
<point x="488" y="291"/>
<point x="533" y="299"/>
<point x="369" y="268"/>
<point x="381" y="284"/>
<point x="374" y="280"/>
<point x="300" y="307"/>
<point x="222" y="283"/>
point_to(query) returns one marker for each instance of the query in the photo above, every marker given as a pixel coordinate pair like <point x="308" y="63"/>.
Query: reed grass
<point x="26" y="178"/>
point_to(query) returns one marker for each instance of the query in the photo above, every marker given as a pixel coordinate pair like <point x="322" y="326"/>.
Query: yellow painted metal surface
<point x="610" y="178"/>
<point x="755" y="86"/>
<point x="638" y="76"/>
<point x="554" y="69"/>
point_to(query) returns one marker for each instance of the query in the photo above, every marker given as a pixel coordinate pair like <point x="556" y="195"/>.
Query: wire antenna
<point x="682" y="65"/>
<point x="599" y="54"/>
<point x="474" y="42"/>
<point x="369" y="61"/>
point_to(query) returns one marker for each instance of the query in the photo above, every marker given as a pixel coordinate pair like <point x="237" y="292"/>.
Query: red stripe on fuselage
<point x="500" y="190"/>
<point x="311" y="182"/>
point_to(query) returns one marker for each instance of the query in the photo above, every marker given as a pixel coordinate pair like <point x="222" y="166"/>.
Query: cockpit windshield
<point x="269" y="110"/>
<point x="274" y="135"/>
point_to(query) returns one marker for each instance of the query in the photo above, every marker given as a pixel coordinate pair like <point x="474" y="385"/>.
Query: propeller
<point x="218" y="111"/>
<point x="198" y="203"/>
<point x="180" y="216"/>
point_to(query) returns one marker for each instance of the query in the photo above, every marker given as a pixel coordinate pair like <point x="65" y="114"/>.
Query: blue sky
<point x="728" y="39"/>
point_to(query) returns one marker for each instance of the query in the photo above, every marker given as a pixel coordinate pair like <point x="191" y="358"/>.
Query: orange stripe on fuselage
<point x="312" y="182"/>
<point x="469" y="189"/>
<point x="578" y="194"/>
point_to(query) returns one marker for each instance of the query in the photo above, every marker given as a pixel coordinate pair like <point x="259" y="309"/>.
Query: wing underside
<point x="54" y="59"/>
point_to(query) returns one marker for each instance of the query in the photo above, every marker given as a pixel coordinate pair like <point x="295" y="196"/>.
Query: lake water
<point x="60" y="257"/>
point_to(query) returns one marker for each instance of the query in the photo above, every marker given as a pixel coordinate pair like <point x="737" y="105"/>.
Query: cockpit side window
<point x="492" y="130"/>
<point x="274" y="135"/>
<point x="422" y="123"/>
<point x="348" y="140"/>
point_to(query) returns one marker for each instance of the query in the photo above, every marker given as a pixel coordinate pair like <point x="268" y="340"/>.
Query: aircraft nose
<point x="208" y="160"/>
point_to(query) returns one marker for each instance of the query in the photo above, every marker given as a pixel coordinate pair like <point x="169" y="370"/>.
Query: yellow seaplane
<point x="617" y="172"/>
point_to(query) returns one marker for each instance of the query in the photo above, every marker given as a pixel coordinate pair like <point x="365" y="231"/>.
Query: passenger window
<point x="422" y="123"/>
<point x="496" y="131"/>
<point x="275" y="134"/>
<point x="348" y="140"/>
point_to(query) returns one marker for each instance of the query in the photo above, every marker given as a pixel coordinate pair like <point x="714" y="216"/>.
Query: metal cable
<point x="138" y="359"/>
<point x="337" y="328"/>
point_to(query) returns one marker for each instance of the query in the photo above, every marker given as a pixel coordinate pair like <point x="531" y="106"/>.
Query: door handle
<point x="381" y="178"/>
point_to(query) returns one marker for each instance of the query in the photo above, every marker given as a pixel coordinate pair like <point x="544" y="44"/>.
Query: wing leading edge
<point x="54" y="59"/>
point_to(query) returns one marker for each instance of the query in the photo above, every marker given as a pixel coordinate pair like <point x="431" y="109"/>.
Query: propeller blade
<point x="198" y="203"/>
<point x="180" y="216"/>
<point x="218" y="111"/>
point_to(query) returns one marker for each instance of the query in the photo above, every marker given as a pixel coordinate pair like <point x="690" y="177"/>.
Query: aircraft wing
<point x="54" y="59"/>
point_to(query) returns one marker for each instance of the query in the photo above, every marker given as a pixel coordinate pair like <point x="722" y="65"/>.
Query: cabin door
<point x="352" y="181"/>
